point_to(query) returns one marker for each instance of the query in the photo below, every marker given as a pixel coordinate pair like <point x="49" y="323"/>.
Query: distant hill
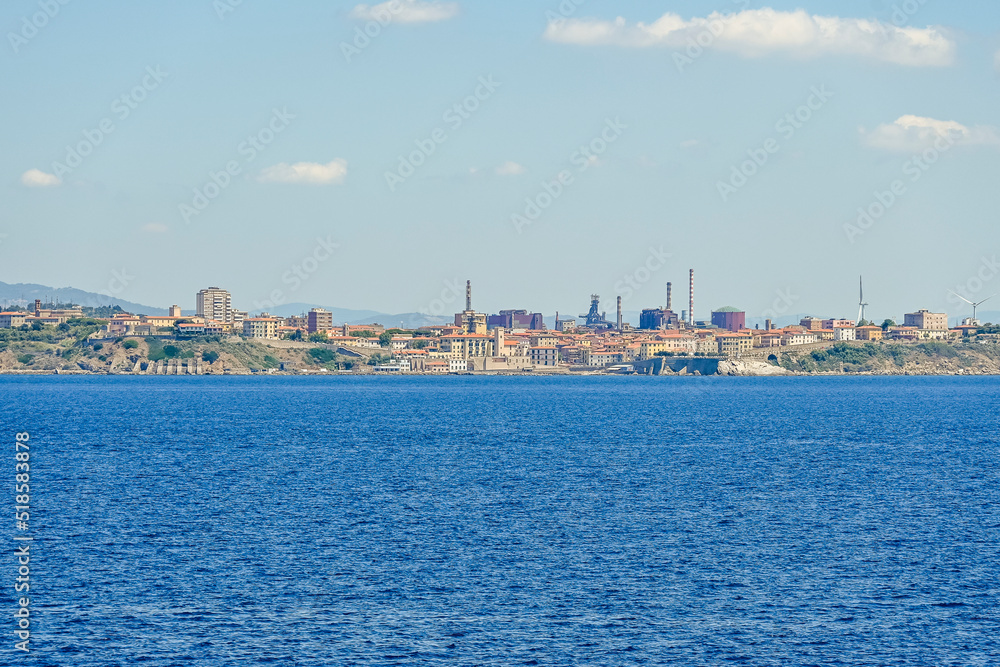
<point x="24" y="294"/>
<point x="349" y="316"/>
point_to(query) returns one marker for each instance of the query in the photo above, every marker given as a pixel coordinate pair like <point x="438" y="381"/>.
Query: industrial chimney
<point x="468" y="295"/>
<point x="691" y="298"/>
<point x="619" y="314"/>
<point x="668" y="295"/>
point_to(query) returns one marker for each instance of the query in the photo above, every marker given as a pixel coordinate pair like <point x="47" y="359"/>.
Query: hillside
<point x="928" y="358"/>
<point x="66" y="349"/>
<point x="24" y="294"/>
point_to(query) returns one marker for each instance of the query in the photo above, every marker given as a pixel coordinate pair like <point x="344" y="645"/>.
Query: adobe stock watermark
<point x="586" y="156"/>
<point x="382" y="17"/>
<point x="781" y="305"/>
<point x="884" y="200"/>
<point x="248" y="149"/>
<point x="635" y="280"/>
<point x="455" y="116"/>
<point x="48" y="10"/>
<point x="565" y="10"/>
<point x="224" y="7"/>
<point x="786" y="126"/>
<point x="713" y="28"/>
<point x="301" y="271"/>
<point x="453" y="291"/>
<point x="903" y="12"/>
<point x="119" y="282"/>
<point x="989" y="268"/>
<point x="122" y="107"/>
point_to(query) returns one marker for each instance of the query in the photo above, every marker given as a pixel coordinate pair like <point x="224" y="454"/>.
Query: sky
<point x="376" y="156"/>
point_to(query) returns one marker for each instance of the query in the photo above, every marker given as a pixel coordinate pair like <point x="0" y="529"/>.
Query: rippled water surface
<point x="509" y="521"/>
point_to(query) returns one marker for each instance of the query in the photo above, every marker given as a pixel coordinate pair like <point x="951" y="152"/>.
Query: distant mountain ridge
<point x="24" y="294"/>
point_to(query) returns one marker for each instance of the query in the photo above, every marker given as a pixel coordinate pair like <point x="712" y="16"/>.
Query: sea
<point x="464" y="520"/>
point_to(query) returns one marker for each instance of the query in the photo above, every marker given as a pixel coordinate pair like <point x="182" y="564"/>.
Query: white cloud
<point x="912" y="134"/>
<point x="36" y="178"/>
<point x="758" y="32"/>
<point x="406" y="11"/>
<point x="509" y="169"/>
<point x="154" y="228"/>
<point x="305" y="172"/>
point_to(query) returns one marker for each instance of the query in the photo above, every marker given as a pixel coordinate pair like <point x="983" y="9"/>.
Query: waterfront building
<point x="261" y="327"/>
<point x="214" y="304"/>
<point x="9" y="320"/>
<point x="544" y="356"/>
<point x="926" y="320"/>
<point x="730" y="319"/>
<point x="845" y="333"/>
<point x="516" y="319"/>
<point x="734" y="344"/>
<point x="870" y="333"/>
<point x="319" y="319"/>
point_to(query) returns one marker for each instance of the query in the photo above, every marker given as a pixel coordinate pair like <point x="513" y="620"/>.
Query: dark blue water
<point x="508" y="521"/>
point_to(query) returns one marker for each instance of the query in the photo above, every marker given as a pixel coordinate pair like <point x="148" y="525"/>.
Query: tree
<point x="888" y="323"/>
<point x="385" y="339"/>
<point x="318" y="337"/>
<point x="210" y="356"/>
<point x="171" y="350"/>
<point x="296" y="335"/>
<point x="130" y="344"/>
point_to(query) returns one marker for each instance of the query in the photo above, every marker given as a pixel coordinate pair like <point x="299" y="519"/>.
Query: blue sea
<point x="506" y="520"/>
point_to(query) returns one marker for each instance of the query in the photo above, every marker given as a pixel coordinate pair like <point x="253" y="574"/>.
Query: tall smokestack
<point x="468" y="295"/>
<point x="691" y="298"/>
<point x="619" y="313"/>
<point x="669" y="286"/>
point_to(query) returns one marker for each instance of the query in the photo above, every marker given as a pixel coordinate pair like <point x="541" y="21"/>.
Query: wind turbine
<point x="861" y="301"/>
<point x="974" y="305"/>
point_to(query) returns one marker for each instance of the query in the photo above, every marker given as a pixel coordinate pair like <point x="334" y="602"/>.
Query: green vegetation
<point x="377" y="359"/>
<point x="385" y="339"/>
<point x="419" y="344"/>
<point x="130" y="344"/>
<point x="322" y="355"/>
<point x="318" y="337"/>
<point x="847" y="358"/>
<point x="211" y="356"/>
<point x="363" y="334"/>
<point x="937" y="348"/>
<point x="25" y="359"/>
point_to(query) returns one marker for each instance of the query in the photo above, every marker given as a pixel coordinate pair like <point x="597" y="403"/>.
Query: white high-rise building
<point x="215" y="304"/>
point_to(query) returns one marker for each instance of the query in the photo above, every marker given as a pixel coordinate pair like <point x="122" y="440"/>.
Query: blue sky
<point x="309" y="215"/>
